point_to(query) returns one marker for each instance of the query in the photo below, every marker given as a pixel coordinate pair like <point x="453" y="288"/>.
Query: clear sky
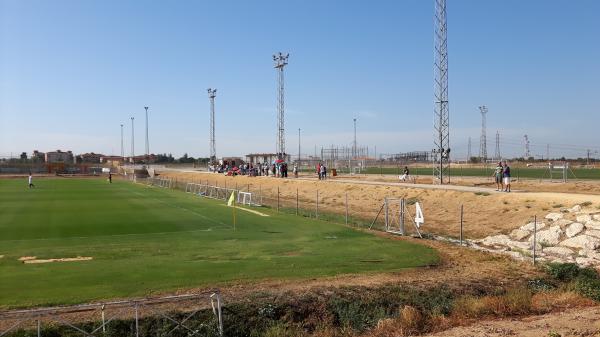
<point x="72" y="71"/>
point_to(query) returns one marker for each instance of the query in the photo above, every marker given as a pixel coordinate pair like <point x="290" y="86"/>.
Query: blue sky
<point x="72" y="71"/>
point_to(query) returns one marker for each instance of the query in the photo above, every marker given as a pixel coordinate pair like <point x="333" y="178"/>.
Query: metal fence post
<point x="461" y="225"/>
<point x="346" y="208"/>
<point x="534" y="237"/>
<point x="137" y="326"/>
<point x="39" y="328"/>
<point x="317" y="205"/>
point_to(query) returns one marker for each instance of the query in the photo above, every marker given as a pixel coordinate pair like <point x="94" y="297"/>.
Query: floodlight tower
<point x="354" y="144"/>
<point x="482" y="140"/>
<point x="280" y="61"/>
<point x="132" y="142"/>
<point x="527" y="152"/>
<point x="122" y="149"/>
<point x="298" y="145"/>
<point x="469" y="150"/>
<point x="147" y="141"/>
<point x="441" y="152"/>
<point x="497" y="155"/>
<point x="212" y="93"/>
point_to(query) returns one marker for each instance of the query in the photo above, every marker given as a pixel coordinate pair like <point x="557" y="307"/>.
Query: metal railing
<point x="180" y="313"/>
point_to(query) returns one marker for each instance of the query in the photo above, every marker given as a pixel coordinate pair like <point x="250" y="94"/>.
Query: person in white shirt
<point x="31" y="181"/>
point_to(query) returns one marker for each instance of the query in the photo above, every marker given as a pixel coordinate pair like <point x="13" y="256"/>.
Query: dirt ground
<point x="572" y="322"/>
<point x="485" y="211"/>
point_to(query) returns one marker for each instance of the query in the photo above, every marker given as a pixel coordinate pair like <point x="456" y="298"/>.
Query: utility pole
<point x="281" y="61"/>
<point x="122" y="149"/>
<point x="482" y="140"/>
<point x="354" y="147"/>
<point x="212" y="93"/>
<point x="132" y="142"/>
<point x="441" y="152"/>
<point x="547" y="151"/>
<point x="588" y="156"/>
<point x="147" y="141"/>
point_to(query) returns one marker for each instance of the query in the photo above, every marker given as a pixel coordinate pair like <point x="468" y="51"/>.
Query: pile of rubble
<point x="573" y="235"/>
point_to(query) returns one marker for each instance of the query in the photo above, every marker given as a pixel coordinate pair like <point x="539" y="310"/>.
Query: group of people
<point x="279" y="170"/>
<point x="321" y="171"/>
<point x="502" y="177"/>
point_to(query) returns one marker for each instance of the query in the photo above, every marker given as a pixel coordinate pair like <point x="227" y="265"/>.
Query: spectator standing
<point x="506" y="175"/>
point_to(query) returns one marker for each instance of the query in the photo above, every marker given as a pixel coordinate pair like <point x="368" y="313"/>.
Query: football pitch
<point x="147" y="240"/>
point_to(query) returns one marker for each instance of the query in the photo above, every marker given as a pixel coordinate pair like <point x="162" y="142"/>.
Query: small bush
<point x="588" y="287"/>
<point x="485" y="194"/>
<point x="586" y="203"/>
<point x="557" y="206"/>
<point x="538" y="285"/>
<point x="563" y="271"/>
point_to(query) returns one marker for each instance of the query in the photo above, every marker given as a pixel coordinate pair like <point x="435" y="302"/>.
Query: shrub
<point x="563" y="271"/>
<point x="588" y="287"/>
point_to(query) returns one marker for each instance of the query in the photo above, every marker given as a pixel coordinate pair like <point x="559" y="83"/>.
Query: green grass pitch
<point x="147" y="240"/>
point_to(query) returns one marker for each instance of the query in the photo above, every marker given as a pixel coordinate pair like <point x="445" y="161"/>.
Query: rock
<point x="518" y="245"/>
<point x="583" y="218"/>
<point x="520" y="234"/>
<point x="575" y="209"/>
<point x="550" y="237"/>
<point x="592" y="254"/>
<point x="496" y="240"/>
<point x="554" y="216"/>
<point x="585" y="261"/>
<point x="529" y="226"/>
<point x="582" y="241"/>
<point x="574" y="229"/>
<point x="560" y="251"/>
<point x="596" y="216"/>
<point x="592" y="232"/>
<point x="562" y="223"/>
<point x="592" y="225"/>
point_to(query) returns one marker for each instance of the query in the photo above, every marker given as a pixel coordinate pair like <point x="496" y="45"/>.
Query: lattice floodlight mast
<point x="280" y="61"/>
<point x="147" y="140"/>
<point x="441" y="152"/>
<point x="212" y="93"/>
<point x="482" y="140"/>
<point x="469" y="150"/>
<point x="527" y="152"/>
<point x="497" y="154"/>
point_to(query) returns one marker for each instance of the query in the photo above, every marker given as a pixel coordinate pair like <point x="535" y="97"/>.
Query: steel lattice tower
<point x="527" y="152"/>
<point x="132" y="142"/>
<point x="497" y="155"/>
<point x="441" y="152"/>
<point x="281" y="61"/>
<point x="482" y="139"/>
<point x="147" y="141"/>
<point x="212" y="93"/>
<point x="469" y="150"/>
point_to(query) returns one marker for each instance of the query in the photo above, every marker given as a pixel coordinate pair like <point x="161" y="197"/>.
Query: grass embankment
<point x="151" y="240"/>
<point x="390" y="310"/>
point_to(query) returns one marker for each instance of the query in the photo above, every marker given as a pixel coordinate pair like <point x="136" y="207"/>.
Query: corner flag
<point x="231" y="199"/>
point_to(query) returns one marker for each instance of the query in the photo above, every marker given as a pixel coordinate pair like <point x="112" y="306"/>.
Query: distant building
<point x="59" y="156"/>
<point x="38" y="156"/>
<point x="255" y="158"/>
<point x="89" y="158"/>
<point x="112" y="160"/>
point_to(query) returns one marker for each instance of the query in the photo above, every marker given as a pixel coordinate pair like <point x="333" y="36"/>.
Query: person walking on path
<point x="322" y="172"/>
<point x="405" y="174"/>
<point x="506" y="175"/>
<point x="498" y="173"/>
<point x="319" y="170"/>
<point x="31" y="181"/>
<point x="296" y="170"/>
<point x="109" y="177"/>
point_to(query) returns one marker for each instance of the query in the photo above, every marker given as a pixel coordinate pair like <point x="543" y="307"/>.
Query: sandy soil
<point x="487" y="213"/>
<point x="573" y="322"/>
